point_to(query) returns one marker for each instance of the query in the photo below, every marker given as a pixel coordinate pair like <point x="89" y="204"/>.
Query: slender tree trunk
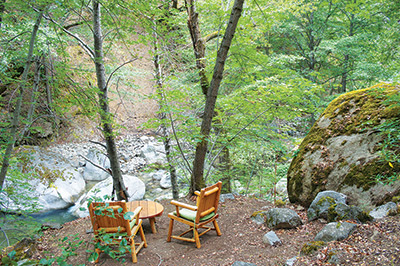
<point x="2" y="8"/>
<point x="17" y="111"/>
<point x="225" y="166"/>
<point x="346" y="62"/>
<point x="49" y="96"/>
<point x="32" y="107"/>
<point x="212" y="94"/>
<point x="199" y="46"/>
<point x="163" y="117"/>
<point x="105" y="115"/>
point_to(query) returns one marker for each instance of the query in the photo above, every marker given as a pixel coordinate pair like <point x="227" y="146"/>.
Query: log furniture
<point x="111" y="225"/>
<point x="150" y="210"/>
<point x="197" y="216"/>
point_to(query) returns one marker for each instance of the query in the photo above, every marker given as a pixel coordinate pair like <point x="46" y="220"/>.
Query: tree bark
<point x="105" y="115"/>
<point x="346" y="62"/>
<point x="17" y="111"/>
<point x="2" y="8"/>
<point x="225" y="166"/>
<point x="163" y="117"/>
<point x="197" y="179"/>
<point x="199" y="46"/>
<point x="32" y="107"/>
<point x="175" y="4"/>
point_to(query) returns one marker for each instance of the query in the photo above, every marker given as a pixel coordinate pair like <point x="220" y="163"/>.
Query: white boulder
<point x="136" y="190"/>
<point x="93" y="173"/>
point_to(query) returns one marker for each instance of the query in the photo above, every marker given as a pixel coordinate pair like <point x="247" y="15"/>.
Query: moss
<point x="257" y="213"/>
<point x="332" y="214"/>
<point x="365" y="176"/>
<point x="396" y="199"/>
<point x="280" y="203"/>
<point x="364" y="217"/>
<point x="312" y="246"/>
<point x="328" y="199"/>
<point x="351" y="113"/>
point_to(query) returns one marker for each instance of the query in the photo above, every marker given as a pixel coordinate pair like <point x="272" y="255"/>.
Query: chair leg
<point x="217" y="227"/>
<point x="196" y="237"/>
<point x="142" y="236"/>
<point x="171" y="225"/>
<point x="133" y="251"/>
<point x="98" y="251"/>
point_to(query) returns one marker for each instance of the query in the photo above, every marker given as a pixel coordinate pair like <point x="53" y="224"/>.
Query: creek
<point x="59" y="216"/>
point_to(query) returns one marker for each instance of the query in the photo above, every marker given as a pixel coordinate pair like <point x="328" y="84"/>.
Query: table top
<point x="150" y="208"/>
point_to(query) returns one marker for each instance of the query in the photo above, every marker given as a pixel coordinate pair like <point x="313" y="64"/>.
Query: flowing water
<point x="60" y="216"/>
<point x="17" y="227"/>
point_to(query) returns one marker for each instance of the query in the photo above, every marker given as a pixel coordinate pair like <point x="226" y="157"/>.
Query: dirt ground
<point x="375" y="243"/>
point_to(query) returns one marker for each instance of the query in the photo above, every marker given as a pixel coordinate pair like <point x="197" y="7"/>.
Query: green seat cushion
<point x="191" y="215"/>
<point x="132" y="223"/>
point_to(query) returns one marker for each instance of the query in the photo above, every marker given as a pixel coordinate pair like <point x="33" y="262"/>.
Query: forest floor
<point x="374" y="243"/>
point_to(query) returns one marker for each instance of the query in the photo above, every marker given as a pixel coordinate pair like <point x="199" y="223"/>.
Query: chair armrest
<point x="184" y="205"/>
<point x="136" y="213"/>
<point x="197" y="193"/>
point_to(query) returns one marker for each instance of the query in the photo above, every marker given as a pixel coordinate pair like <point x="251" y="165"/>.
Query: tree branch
<point x="85" y="47"/>
<point x="96" y="165"/>
<point x="115" y="70"/>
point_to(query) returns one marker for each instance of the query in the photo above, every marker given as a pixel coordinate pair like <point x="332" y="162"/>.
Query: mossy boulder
<point x="343" y="151"/>
<point x="341" y="211"/>
<point x="323" y="201"/>
<point x="282" y="218"/>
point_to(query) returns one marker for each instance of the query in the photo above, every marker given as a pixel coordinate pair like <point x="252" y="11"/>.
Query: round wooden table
<point x="150" y="210"/>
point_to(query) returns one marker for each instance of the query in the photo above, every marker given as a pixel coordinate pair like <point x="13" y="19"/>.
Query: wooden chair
<point x="108" y="218"/>
<point x="197" y="216"/>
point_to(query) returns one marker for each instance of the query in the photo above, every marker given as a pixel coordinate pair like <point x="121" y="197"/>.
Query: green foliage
<point x="390" y="130"/>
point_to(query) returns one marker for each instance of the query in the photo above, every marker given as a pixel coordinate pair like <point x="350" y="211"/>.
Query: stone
<point x="136" y="191"/>
<point x="342" y="151"/>
<point x="382" y="211"/>
<point x="281" y="187"/>
<point x="322" y="202"/>
<point x="226" y="196"/>
<point x="291" y="261"/>
<point x="335" y="231"/>
<point x="258" y="217"/>
<point x="51" y="225"/>
<point x="341" y="211"/>
<point x="241" y="263"/>
<point x="272" y="239"/>
<point x="154" y="153"/>
<point x="61" y="185"/>
<point x="157" y="175"/>
<point x="165" y="181"/>
<point x="93" y="173"/>
<point x="282" y="218"/>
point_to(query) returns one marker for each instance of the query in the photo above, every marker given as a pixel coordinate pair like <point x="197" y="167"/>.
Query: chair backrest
<point x="208" y="200"/>
<point x="108" y="217"/>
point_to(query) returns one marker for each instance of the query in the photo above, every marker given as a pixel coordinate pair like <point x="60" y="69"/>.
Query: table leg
<point x="153" y="225"/>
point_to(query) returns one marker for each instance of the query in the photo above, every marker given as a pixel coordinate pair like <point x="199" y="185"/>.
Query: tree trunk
<point x="32" y="107"/>
<point x="105" y="115"/>
<point x="49" y="97"/>
<point x="225" y="166"/>
<point x="197" y="179"/>
<point x="162" y="117"/>
<point x="199" y="46"/>
<point x="17" y="111"/>
<point x="175" y="4"/>
<point x="346" y="62"/>
<point x="2" y="8"/>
